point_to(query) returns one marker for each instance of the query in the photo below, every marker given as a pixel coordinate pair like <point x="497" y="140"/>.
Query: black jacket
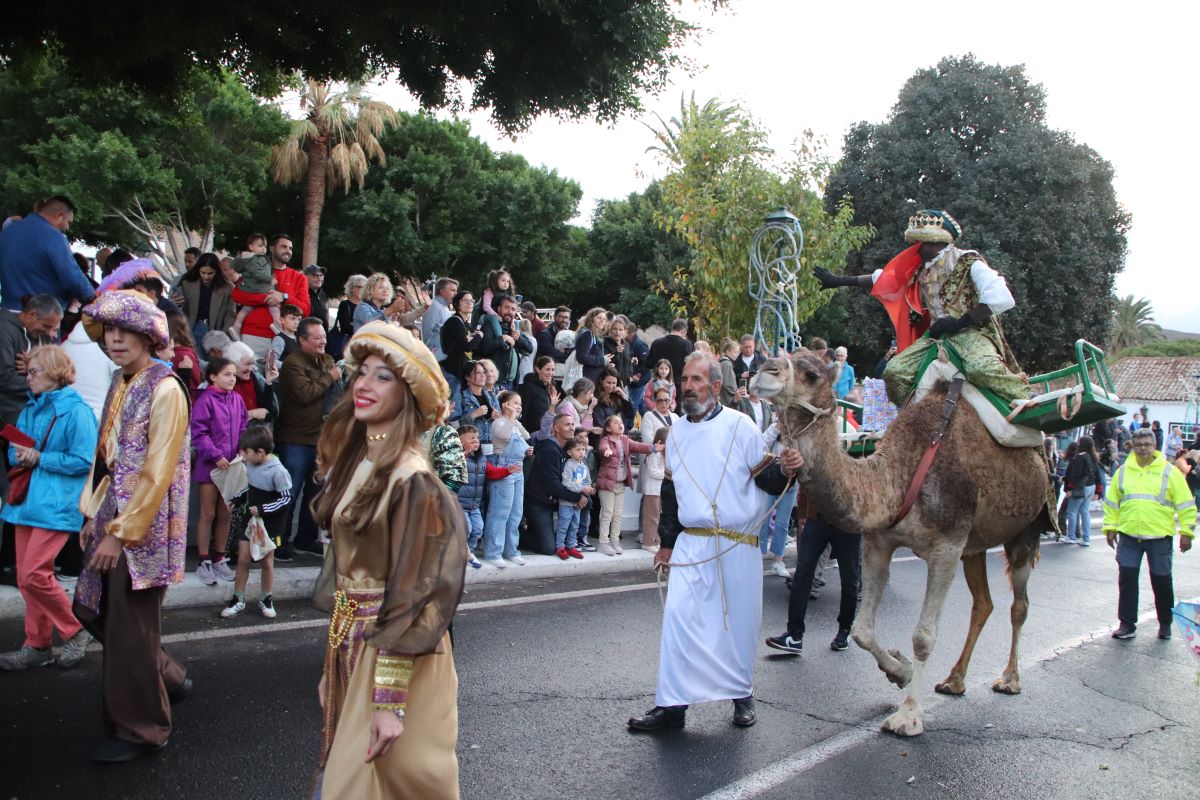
<point x="674" y="349"/>
<point x="456" y="342"/>
<point x="535" y="402"/>
<point x="543" y="480"/>
<point x="1083" y="471"/>
<point x="739" y="366"/>
<point x="502" y="354"/>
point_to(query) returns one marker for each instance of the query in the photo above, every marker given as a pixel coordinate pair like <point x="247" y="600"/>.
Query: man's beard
<point x="693" y="407"/>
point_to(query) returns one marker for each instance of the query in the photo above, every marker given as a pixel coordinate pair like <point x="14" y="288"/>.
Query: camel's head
<point x="803" y="376"/>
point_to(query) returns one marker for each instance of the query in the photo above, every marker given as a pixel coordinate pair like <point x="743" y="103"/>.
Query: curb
<point x="296" y="583"/>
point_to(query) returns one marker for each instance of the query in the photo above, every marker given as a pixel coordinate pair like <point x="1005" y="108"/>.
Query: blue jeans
<point x="474" y="527"/>
<point x="502" y="530"/>
<point x="568" y="525"/>
<point x="1129" y="565"/>
<point x="1079" y="513"/>
<point x="777" y="533"/>
<point x="300" y="460"/>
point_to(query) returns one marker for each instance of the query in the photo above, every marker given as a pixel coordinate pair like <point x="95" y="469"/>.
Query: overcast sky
<point x="1119" y="76"/>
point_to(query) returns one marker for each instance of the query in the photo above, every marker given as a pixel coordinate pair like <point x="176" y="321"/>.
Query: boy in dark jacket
<point x="470" y="493"/>
<point x="268" y="495"/>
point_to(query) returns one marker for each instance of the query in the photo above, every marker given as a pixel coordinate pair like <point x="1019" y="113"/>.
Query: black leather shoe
<point x="118" y="751"/>
<point x="743" y="712"/>
<point x="180" y="692"/>
<point x="658" y="718"/>
<point x="1164" y="630"/>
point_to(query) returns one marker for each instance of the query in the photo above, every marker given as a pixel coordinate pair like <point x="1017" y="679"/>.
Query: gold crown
<point x="929" y="227"/>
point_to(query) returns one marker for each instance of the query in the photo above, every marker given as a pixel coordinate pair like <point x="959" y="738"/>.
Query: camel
<point x="977" y="495"/>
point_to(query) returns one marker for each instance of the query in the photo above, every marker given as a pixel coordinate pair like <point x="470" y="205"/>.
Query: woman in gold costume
<point x="392" y="580"/>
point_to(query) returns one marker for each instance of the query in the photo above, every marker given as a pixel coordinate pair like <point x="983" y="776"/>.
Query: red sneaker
<point x="574" y="553"/>
<point x="562" y="553"/>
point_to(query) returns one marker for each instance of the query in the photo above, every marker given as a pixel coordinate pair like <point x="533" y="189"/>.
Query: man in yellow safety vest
<point x="1141" y="505"/>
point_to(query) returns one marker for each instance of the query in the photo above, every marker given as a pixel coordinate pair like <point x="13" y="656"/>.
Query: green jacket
<point x="1144" y="501"/>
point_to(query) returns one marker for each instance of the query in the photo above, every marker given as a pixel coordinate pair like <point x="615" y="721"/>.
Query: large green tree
<point x="631" y="254"/>
<point x="446" y="204"/>
<point x="972" y="138"/>
<point x="721" y="183"/>
<point x="149" y="176"/>
<point x="521" y="58"/>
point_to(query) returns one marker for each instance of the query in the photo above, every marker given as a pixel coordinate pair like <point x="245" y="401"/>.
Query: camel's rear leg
<point x="907" y="720"/>
<point x="975" y="571"/>
<point x="876" y="567"/>
<point x="1022" y="555"/>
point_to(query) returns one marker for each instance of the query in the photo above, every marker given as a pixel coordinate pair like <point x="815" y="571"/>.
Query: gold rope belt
<point x="349" y="605"/>
<point x="733" y="536"/>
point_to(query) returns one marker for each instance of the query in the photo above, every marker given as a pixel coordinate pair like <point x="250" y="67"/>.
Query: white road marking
<point x="479" y="605"/>
<point x="786" y="769"/>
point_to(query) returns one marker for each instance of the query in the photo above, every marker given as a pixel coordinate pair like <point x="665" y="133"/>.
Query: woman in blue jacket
<point x="63" y="429"/>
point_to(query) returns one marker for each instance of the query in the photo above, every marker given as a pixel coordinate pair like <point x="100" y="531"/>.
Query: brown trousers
<point x="651" y="511"/>
<point x="138" y="672"/>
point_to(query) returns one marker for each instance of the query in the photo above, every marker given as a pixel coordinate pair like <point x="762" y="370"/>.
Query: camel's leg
<point x="941" y="564"/>
<point x="1020" y="565"/>
<point x="876" y="567"/>
<point x="975" y="570"/>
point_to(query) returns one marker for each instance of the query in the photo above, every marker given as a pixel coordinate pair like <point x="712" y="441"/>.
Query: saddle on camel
<point x="947" y="480"/>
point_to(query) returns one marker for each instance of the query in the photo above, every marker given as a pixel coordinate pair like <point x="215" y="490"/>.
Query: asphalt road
<point x="548" y="678"/>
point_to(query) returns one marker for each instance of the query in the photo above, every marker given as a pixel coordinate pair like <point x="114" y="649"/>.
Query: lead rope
<point x="659" y="569"/>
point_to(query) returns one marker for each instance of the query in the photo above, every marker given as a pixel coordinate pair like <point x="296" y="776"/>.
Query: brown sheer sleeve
<point x="428" y="553"/>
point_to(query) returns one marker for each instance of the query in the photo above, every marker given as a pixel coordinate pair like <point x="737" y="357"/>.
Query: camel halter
<point x="817" y="413"/>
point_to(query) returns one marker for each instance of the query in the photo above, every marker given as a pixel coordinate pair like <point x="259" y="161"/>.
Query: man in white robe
<point x="719" y="473"/>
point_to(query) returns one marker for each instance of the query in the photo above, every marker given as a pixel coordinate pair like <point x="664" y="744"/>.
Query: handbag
<point x="572" y="371"/>
<point x="20" y="476"/>
<point x="260" y="540"/>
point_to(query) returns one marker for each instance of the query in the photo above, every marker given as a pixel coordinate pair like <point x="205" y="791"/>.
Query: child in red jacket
<point x="613" y="477"/>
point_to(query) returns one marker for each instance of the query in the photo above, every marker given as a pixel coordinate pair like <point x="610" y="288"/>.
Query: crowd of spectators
<point x="551" y="422"/>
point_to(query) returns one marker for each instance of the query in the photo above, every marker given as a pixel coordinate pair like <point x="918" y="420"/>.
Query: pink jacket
<point x="606" y="475"/>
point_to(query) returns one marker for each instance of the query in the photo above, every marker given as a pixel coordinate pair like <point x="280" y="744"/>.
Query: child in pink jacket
<point x="613" y="477"/>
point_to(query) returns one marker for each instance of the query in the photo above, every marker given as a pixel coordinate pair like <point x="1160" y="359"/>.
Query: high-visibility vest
<point x="1145" y="501"/>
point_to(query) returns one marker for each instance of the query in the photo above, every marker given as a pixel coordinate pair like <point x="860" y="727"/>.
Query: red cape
<point x="899" y="294"/>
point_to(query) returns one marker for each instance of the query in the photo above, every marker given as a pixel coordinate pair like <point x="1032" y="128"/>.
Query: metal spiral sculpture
<point x="774" y="265"/>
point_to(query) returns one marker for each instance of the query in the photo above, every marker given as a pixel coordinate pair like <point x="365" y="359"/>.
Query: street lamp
<point x="774" y="265"/>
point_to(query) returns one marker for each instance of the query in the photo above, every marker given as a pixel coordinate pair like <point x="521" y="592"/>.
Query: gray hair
<point x="1142" y="433"/>
<point x="714" y="366"/>
<point x="352" y="281"/>
<point x="237" y="352"/>
<point x="841" y="351"/>
<point x="217" y="340"/>
<point x="42" y="305"/>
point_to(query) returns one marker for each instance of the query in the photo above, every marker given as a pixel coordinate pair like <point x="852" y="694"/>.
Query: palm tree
<point x="332" y="145"/>
<point x="1133" y="324"/>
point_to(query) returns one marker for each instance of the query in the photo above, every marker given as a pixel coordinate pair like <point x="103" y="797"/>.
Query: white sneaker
<point x="520" y="562"/>
<point x="777" y="568"/>
<point x="234" y="607"/>
<point x="267" y="607"/>
<point x="205" y="573"/>
<point x="221" y="570"/>
<point x="498" y="563"/>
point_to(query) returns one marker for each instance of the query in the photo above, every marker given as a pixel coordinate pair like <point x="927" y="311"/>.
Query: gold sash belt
<point x="733" y="536"/>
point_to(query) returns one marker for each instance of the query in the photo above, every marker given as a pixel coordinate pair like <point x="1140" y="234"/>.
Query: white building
<point x="1169" y="389"/>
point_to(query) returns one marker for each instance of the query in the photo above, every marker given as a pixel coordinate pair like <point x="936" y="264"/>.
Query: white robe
<point x="707" y="654"/>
